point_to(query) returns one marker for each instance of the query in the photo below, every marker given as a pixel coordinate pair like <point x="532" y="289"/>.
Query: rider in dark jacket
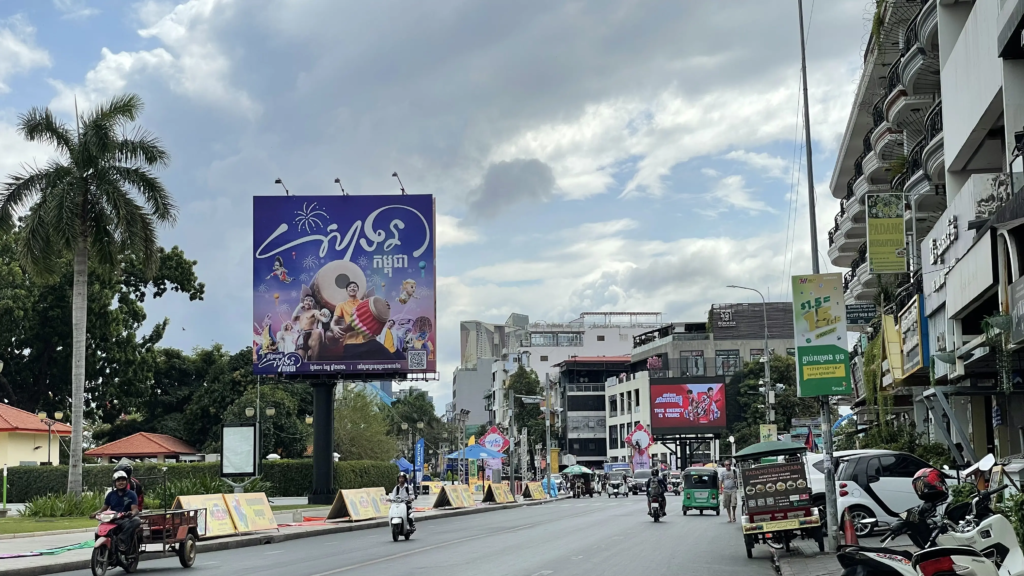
<point x="661" y="487"/>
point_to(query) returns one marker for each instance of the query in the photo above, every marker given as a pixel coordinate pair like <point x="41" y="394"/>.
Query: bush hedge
<point x="285" y="477"/>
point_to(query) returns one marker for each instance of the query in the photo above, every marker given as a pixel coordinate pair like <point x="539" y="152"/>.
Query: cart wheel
<point x="684" y="511"/>
<point x="787" y="542"/>
<point x="99" y="560"/>
<point x="749" y="543"/>
<point x="702" y="512"/>
<point x="819" y="537"/>
<point x="187" y="552"/>
<point x="718" y="511"/>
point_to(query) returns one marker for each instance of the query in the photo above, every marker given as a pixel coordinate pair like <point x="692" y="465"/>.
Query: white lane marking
<point x="577" y="557"/>
<point x="209" y="563"/>
<point x="543" y="573"/>
<point x="269" y="553"/>
<point x="442" y="545"/>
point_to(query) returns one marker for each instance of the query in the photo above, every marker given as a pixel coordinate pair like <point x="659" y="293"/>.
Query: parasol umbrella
<point x="577" y="470"/>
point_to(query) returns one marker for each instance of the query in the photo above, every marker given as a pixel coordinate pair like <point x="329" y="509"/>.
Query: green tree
<point x="411" y="410"/>
<point x="362" y="431"/>
<point x="525" y="382"/>
<point x="98" y="198"/>
<point x="745" y="410"/>
<point x="286" y="432"/>
<point x="222" y="379"/>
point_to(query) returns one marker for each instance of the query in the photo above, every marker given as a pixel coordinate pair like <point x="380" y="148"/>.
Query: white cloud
<point x="191" y="61"/>
<point x="733" y="191"/>
<point x="75" y="9"/>
<point x="710" y="172"/>
<point x="770" y="166"/>
<point x="18" y="50"/>
<point x="451" y="232"/>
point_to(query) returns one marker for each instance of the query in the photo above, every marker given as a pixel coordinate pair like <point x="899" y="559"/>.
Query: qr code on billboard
<point x="417" y="360"/>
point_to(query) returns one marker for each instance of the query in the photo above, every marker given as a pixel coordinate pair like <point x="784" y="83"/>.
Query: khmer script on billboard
<point x="344" y="285"/>
<point x="687" y="408"/>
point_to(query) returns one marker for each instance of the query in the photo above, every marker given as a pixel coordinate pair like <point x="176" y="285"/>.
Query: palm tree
<point x="96" y="198"/>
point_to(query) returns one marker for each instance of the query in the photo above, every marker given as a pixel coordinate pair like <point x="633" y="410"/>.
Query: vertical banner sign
<point x="822" y="359"/>
<point x="887" y="243"/>
<point x="418" y="465"/>
<point x="344" y="285"/>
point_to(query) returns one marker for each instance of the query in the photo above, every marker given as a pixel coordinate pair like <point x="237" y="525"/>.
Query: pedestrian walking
<point x="729" y="483"/>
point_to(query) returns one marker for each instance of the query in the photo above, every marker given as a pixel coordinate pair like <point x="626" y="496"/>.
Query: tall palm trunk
<point x="79" y="303"/>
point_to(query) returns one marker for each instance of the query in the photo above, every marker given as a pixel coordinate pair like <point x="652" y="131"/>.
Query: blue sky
<point x="618" y="155"/>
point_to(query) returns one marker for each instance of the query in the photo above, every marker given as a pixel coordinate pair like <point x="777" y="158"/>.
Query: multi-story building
<point x="412" y="391"/>
<point x="580" y="391"/>
<point x="717" y="348"/>
<point x="470" y="387"/>
<point x="937" y="118"/>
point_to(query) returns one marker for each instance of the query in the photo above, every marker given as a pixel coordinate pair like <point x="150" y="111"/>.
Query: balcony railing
<point x="849" y="186"/>
<point x="858" y="167"/>
<point x="847" y="279"/>
<point x="867" y="141"/>
<point x="832" y="237"/>
<point x="900" y="181"/>
<point x="893" y="79"/>
<point x="933" y="123"/>
<point x="910" y="35"/>
<point x="878" y="113"/>
<point x="914" y="162"/>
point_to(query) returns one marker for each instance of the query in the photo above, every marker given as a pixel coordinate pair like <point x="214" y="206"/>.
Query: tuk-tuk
<point x="776" y="497"/>
<point x="700" y="490"/>
<point x="675" y="482"/>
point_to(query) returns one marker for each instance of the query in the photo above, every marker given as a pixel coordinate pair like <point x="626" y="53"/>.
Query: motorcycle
<point x="974" y="524"/>
<point x="106" y="553"/>
<point x="398" y="517"/>
<point x="657" y="510"/>
<point x="923" y="526"/>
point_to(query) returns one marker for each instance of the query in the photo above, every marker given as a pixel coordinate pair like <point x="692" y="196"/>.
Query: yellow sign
<point x="250" y="512"/>
<point x="536" y="491"/>
<point x="769" y="432"/>
<point x="467" y="496"/>
<point x="887" y="242"/>
<point x="217" y="521"/>
<point x="432" y="487"/>
<point x="378" y="501"/>
<point x="507" y="492"/>
<point x="824" y="371"/>
<point x="353" y="504"/>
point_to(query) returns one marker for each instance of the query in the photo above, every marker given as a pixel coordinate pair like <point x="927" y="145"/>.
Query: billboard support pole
<point x="547" y="425"/>
<point x="323" y="442"/>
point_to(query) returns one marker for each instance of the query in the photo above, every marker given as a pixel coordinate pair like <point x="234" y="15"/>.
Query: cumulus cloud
<point x="510" y="182"/>
<point x="731" y="191"/>
<point x="451" y="231"/>
<point x="190" y="61"/>
<point x="18" y="50"/>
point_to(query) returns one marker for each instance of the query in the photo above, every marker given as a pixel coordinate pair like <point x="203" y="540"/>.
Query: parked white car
<point x="870" y="483"/>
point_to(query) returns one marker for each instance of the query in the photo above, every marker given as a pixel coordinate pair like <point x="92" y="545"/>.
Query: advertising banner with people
<point x="344" y="285"/>
<point x="639" y="441"/>
<point x="819" y="323"/>
<point x="687" y="408"/>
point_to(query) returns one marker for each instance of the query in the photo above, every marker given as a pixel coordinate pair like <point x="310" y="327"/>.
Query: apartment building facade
<point x="939" y="117"/>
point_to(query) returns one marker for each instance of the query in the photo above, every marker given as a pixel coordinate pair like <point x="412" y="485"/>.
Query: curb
<point x="261" y="539"/>
<point x="47" y="533"/>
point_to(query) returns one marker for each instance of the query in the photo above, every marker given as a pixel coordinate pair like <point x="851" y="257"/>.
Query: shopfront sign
<point x="887" y="245"/>
<point x="914" y="336"/>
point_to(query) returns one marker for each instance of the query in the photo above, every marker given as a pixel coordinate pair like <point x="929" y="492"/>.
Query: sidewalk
<point x="805" y="560"/>
<point x="79" y="559"/>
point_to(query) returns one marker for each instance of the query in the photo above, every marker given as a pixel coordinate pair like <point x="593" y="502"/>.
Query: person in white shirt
<point x="403" y="491"/>
<point x="286" y="338"/>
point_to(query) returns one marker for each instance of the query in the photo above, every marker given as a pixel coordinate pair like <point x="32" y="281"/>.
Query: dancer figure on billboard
<point x="280" y="271"/>
<point x="310" y="334"/>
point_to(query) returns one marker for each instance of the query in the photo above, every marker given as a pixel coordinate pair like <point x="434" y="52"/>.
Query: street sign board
<point x="860" y="314"/>
<point x="822" y="360"/>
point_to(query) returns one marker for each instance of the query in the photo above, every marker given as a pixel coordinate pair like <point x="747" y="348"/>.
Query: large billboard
<point x="687" y="408"/>
<point x="822" y="360"/>
<point x="344" y="285"/>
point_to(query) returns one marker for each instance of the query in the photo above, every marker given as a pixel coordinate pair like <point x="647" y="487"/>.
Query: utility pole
<point x="547" y="424"/>
<point x="831" y="506"/>
<point x="512" y="440"/>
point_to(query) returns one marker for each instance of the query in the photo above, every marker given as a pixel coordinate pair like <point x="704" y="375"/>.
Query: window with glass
<point x="727" y="362"/>
<point x="756" y="353"/>
<point x="691" y="363"/>
<point x="613" y="405"/>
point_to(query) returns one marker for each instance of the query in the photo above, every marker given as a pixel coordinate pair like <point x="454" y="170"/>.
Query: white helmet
<point x="119" y="475"/>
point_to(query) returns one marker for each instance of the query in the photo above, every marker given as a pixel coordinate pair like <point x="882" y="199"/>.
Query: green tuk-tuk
<point x="700" y="490"/>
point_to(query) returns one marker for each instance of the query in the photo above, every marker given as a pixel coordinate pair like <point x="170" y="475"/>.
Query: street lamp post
<point x="270" y="414"/>
<point x="769" y="409"/>
<point x="57" y="416"/>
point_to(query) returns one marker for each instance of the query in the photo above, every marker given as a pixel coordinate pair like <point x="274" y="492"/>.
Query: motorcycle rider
<point x="122" y="499"/>
<point x="404" y="493"/>
<point x="133" y="484"/>
<point x="656" y="488"/>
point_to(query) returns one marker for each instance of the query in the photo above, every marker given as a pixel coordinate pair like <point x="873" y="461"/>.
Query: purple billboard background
<point x="344" y="285"/>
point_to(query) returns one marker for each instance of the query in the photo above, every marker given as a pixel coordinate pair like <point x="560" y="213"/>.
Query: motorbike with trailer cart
<point x="775" y="497"/>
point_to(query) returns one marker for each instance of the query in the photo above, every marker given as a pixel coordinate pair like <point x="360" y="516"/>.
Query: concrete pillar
<point x="161" y="459"/>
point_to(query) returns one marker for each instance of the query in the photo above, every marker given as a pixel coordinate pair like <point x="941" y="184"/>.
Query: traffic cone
<point x="849" y="530"/>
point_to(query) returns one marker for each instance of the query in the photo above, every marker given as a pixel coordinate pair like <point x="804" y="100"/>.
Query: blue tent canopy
<point x="475" y="452"/>
<point x="403" y="465"/>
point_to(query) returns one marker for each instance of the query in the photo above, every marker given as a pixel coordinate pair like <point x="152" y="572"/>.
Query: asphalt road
<point x="570" y="537"/>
